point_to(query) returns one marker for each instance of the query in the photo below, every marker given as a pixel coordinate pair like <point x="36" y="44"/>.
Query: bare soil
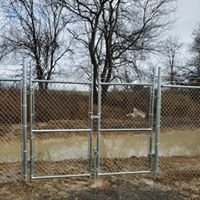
<point x="179" y="179"/>
<point x="170" y="184"/>
<point x="127" y="187"/>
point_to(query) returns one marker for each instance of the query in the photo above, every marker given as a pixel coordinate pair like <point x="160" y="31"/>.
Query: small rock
<point x="148" y="182"/>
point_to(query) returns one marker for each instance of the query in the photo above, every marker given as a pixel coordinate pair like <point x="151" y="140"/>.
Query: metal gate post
<point x="97" y="151"/>
<point x="158" y="112"/>
<point x="24" y="122"/>
<point x="31" y="120"/>
<point x="151" y="120"/>
<point x="90" y="117"/>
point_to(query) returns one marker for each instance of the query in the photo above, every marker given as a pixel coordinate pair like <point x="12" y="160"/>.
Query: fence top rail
<point x="128" y="84"/>
<point x="181" y="86"/>
<point x="10" y="79"/>
<point x="62" y="82"/>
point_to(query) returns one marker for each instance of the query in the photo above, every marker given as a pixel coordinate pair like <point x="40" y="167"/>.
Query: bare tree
<point x="172" y="48"/>
<point x="116" y="32"/>
<point x="36" y="29"/>
<point x="193" y="68"/>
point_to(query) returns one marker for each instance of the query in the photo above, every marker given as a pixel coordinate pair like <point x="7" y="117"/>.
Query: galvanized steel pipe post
<point x="158" y="113"/>
<point x="90" y="113"/>
<point x="31" y="121"/>
<point x="24" y="122"/>
<point x="151" y="120"/>
<point x="97" y="152"/>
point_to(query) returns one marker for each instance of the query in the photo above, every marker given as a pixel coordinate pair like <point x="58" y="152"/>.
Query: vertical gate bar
<point x="33" y="124"/>
<point x="21" y="101"/>
<point x="98" y="124"/>
<point x="151" y="119"/>
<point x="157" y="135"/>
<point x="91" y="121"/>
<point x="31" y="121"/>
<point x="24" y="122"/>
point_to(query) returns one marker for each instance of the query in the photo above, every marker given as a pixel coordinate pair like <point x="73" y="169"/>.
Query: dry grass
<point x="178" y="107"/>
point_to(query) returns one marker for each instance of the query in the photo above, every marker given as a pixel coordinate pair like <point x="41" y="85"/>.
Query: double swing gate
<point x="72" y="136"/>
<point x="66" y="133"/>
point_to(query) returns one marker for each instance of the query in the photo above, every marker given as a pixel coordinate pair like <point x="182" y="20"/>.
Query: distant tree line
<point x="194" y="63"/>
<point x="182" y="69"/>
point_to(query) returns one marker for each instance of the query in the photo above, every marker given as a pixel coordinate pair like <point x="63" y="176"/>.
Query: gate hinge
<point x="95" y="117"/>
<point x="152" y="155"/>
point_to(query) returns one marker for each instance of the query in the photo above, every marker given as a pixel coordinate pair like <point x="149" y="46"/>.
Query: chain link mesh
<point x="10" y="132"/>
<point x="180" y="132"/>
<point x="62" y="106"/>
<point x="61" y="154"/>
<point x="65" y="106"/>
<point x="124" y="108"/>
<point x="118" y="108"/>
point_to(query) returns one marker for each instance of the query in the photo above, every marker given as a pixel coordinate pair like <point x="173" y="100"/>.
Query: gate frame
<point x="150" y="129"/>
<point x="90" y="130"/>
<point x="33" y="131"/>
<point x="92" y="170"/>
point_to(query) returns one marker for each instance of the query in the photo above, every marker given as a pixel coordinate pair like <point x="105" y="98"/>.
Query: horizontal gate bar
<point x="59" y="176"/>
<point x="59" y="130"/>
<point x="125" y="129"/>
<point x="65" y="82"/>
<point x="121" y="173"/>
<point x="10" y="79"/>
<point x="181" y="86"/>
<point x="142" y="84"/>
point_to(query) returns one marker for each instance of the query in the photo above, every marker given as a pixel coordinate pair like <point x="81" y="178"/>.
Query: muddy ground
<point x="180" y="180"/>
<point x="126" y="187"/>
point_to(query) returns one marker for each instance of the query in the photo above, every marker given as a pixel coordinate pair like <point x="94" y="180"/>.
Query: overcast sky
<point x="188" y="17"/>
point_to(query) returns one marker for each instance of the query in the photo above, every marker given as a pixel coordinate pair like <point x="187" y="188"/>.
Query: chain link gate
<point x="61" y="128"/>
<point x="121" y="119"/>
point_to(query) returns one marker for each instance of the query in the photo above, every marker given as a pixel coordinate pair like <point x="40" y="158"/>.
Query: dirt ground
<point x="177" y="181"/>
<point x="126" y="187"/>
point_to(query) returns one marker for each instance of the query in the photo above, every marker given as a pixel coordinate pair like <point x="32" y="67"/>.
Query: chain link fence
<point x="68" y="107"/>
<point x="10" y="131"/>
<point x="180" y="131"/>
